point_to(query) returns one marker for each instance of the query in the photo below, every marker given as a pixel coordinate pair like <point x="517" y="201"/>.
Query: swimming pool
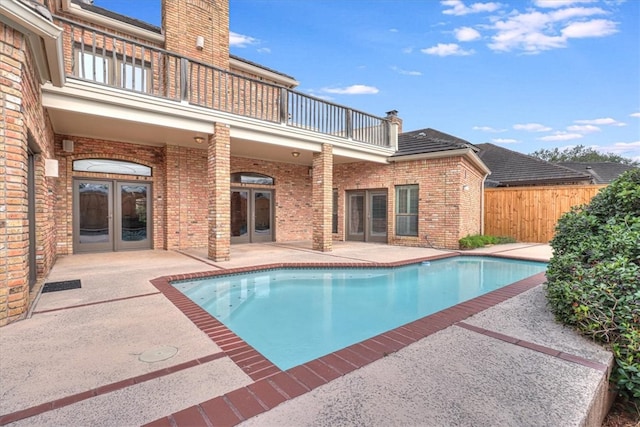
<point x="293" y="316"/>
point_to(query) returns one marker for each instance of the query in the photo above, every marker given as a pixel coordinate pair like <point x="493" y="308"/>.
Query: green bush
<point x="593" y="278"/>
<point x="479" y="241"/>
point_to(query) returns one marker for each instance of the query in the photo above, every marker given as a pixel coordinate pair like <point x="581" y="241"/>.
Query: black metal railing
<point x="115" y="61"/>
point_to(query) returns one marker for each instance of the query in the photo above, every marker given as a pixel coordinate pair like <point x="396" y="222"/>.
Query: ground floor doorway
<point x="251" y="215"/>
<point x="366" y="216"/>
<point x="111" y="215"/>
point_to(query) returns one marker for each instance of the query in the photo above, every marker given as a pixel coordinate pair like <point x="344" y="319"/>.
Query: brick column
<point x="172" y="197"/>
<point x="322" y="191"/>
<point x="219" y="185"/>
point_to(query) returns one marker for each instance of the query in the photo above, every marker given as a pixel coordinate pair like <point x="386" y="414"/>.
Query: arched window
<point x="111" y="166"/>
<point x="251" y="178"/>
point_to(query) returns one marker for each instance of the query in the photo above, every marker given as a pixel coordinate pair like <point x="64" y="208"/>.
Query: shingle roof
<point x="118" y="16"/>
<point x="428" y="140"/>
<point x="510" y="168"/>
<point x="255" y="64"/>
<point x="602" y="172"/>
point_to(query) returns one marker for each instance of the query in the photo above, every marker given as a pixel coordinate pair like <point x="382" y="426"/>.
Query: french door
<point x="367" y="216"/>
<point x="111" y="215"/>
<point x="251" y="215"/>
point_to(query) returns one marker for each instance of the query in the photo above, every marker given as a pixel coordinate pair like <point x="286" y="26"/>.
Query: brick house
<point x="120" y="135"/>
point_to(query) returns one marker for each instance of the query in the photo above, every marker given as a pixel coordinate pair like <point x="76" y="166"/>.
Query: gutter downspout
<point x="482" y="204"/>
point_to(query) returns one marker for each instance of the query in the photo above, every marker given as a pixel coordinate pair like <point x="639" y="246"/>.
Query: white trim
<point x="44" y="38"/>
<point x="111" y="23"/>
<point x="82" y="97"/>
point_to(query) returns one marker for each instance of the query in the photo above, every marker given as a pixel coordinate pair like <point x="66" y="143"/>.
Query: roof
<point x="429" y="140"/>
<point x="602" y="172"/>
<point x="510" y="168"/>
<point x="117" y="16"/>
<point x="255" y="64"/>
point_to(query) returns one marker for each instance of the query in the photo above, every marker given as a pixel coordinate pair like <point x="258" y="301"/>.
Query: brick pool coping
<point x="273" y="386"/>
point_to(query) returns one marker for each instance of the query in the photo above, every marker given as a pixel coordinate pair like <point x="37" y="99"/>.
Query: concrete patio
<point x="119" y="352"/>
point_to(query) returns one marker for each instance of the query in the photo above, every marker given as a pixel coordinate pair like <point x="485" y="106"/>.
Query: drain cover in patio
<point x="61" y="286"/>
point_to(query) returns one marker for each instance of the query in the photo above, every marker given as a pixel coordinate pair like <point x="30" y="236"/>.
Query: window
<point x="407" y="210"/>
<point x="111" y="166"/>
<point x="334" y="213"/>
<point x="102" y="66"/>
<point x="251" y="178"/>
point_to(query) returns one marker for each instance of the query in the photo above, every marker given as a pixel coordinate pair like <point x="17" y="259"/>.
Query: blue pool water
<point x="293" y="316"/>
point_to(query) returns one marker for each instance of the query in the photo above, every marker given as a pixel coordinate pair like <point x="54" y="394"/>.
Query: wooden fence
<point x="530" y="214"/>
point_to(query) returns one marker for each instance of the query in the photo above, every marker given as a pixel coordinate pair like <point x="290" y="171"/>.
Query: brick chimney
<point x="393" y="117"/>
<point x="198" y="29"/>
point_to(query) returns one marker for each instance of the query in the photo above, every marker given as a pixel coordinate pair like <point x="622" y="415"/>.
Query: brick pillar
<point x="14" y="222"/>
<point x="219" y="185"/>
<point x="322" y="198"/>
<point x="172" y="197"/>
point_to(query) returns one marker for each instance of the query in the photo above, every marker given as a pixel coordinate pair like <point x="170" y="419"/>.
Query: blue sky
<point x="522" y="74"/>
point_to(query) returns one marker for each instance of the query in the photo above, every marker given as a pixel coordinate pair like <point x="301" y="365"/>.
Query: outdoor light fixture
<point x="295" y="154"/>
<point x="199" y="42"/>
<point x="198" y="139"/>
<point x="465" y="187"/>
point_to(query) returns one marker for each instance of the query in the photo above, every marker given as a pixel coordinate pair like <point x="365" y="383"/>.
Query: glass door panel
<point x="93" y="216"/>
<point x="239" y="216"/>
<point x="133" y="211"/>
<point x="355" y="223"/>
<point x="378" y="217"/>
<point x="261" y="230"/>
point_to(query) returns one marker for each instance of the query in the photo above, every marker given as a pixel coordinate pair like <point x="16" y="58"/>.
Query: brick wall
<point x="85" y="148"/>
<point x="446" y="211"/>
<point x="292" y="192"/>
<point x="22" y="126"/>
<point x="185" y="20"/>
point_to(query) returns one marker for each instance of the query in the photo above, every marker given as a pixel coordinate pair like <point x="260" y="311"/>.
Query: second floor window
<point x="104" y="67"/>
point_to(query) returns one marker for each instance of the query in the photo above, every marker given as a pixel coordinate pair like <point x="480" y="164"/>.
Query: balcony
<point x="106" y="59"/>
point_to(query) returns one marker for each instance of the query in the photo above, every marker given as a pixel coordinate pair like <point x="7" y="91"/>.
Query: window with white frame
<point x="407" y="210"/>
<point x="102" y="66"/>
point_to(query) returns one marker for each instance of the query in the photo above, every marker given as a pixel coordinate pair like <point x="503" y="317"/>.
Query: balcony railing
<point x="115" y="61"/>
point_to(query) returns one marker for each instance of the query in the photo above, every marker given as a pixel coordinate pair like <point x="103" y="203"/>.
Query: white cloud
<point x="241" y="40"/>
<point x="525" y="31"/>
<point x="466" y="34"/>
<point x="635" y="114"/>
<point x="593" y="28"/>
<point x="601" y="122"/>
<point x="583" y="128"/>
<point x="406" y="72"/>
<point x="353" y="90"/>
<point x="407" y="50"/>
<point x="535" y="31"/>
<point x="448" y="49"/>
<point x="559" y="3"/>
<point x="488" y="129"/>
<point x="574" y="12"/>
<point x="394" y="30"/>
<point x="561" y="136"/>
<point x="504" y="141"/>
<point x="458" y="8"/>
<point x="264" y="50"/>
<point x="629" y="150"/>
<point x="532" y="127"/>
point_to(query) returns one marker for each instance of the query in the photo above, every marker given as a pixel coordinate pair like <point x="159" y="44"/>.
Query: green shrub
<point x="480" y="241"/>
<point x="593" y="278"/>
